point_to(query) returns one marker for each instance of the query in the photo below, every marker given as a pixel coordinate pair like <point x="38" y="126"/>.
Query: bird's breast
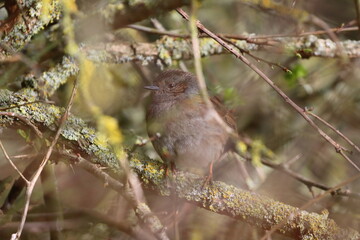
<point x="187" y="134"/>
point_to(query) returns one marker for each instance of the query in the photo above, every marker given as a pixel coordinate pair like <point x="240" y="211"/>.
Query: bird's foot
<point x="170" y="173"/>
<point x="208" y="181"/>
<point x="209" y="178"/>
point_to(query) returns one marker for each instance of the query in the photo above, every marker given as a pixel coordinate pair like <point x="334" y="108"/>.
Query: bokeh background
<point x="329" y="86"/>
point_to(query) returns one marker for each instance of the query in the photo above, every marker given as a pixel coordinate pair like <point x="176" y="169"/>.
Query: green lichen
<point x="170" y="49"/>
<point x="75" y="130"/>
<point x="21" y="33"/>
<point x="52" y="79"/>
<point x="247" y="206"/>
<point x="174" y="49"/>
<point x="218" y="197"/>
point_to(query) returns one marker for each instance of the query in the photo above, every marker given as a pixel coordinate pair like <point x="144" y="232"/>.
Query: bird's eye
<point x="171" y="85"/>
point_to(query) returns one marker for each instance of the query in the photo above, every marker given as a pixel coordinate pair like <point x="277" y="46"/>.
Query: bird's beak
<point x="153" y="88"/>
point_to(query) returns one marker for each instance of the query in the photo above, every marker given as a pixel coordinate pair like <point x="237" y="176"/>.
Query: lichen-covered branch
<point x="250" y="207"/>
<point x="169" y="49"/>
<point x="313" y="46"/>
<point x="77" y="137"/>
<point x="121" y="52"/>
<point x="25" y="20"/>
<point x="74" y="133"/>
<point x="52" y="79"/>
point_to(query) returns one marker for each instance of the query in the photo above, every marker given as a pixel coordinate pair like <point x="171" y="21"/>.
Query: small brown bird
<point x="190" y="139"/>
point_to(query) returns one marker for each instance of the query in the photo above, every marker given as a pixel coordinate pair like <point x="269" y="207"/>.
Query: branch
<point x="250" y="207"/>
<point x="48" y="82"/>
<point x="255" y="209"/>
<point x="170" y="49"/>
<point x="25" y="20"/>
<point x="76" y="134"/>
<point x="30" y="185"/>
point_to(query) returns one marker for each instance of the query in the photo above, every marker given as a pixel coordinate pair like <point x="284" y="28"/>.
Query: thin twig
<point x="301" y="111"/>
<point x="309" y="203"/>
<point x="136" y="201"/>
<point x="250" y="39"/>
<point x="94" y="169"/>
<point x="199" y="73"/>
<point x="285" y="169"/>
<point x="271" y="64"/>
<point x="12" y="164"/>
<point x="35" y="177"/>
<point x="24" y="119"/>
<point x="321" y="23"/>
<point x="52" y="201"/>
<point x="335" y="130"/>
<point x="357" y="8"/>
<point x="28" y="61"/>
<point x="21" y="156"/>
<point x="156" y="31"/>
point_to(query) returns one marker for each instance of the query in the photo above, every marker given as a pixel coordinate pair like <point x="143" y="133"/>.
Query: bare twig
<point x="357" y="8"/>
<point x="285" y="169"/>
<point x="251" y="39"/>
<point x="301" y="111"/>
<point x="12" y="164"/>
<point x="334" y="129"/>
<point x="22" y="156"/>
<point x="321" y="23"/>
<point x="29" y="62"/>
<point x="309" y="203"/>
<point x="319" y="32"/>
<point x="24" y="119"/>
<point x="94" y="169"/>
<point x="35" y="177"/>
<point x="136" y="201"/>
<point x="271" y="64"/>
<point x="52" y="201"/>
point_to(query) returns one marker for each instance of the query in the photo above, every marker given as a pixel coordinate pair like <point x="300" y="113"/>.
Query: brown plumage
<point x="190" y="137"/>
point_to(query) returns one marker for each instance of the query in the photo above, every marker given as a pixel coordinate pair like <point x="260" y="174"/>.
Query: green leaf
<point x="297" y="72"/>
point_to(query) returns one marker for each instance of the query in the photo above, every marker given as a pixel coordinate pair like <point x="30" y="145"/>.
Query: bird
<point x="184" y="135"/>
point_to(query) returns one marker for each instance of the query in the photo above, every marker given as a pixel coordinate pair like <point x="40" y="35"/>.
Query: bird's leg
<point x="170" y="173"/>
<point x="170" y="168"/>
<point x="209" y="176"/>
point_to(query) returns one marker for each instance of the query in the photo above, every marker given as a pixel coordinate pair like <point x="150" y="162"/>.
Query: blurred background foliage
<point x="328" y="85"/>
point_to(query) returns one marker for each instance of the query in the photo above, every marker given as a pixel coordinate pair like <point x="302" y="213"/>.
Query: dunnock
<point x="189" y="138"/>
